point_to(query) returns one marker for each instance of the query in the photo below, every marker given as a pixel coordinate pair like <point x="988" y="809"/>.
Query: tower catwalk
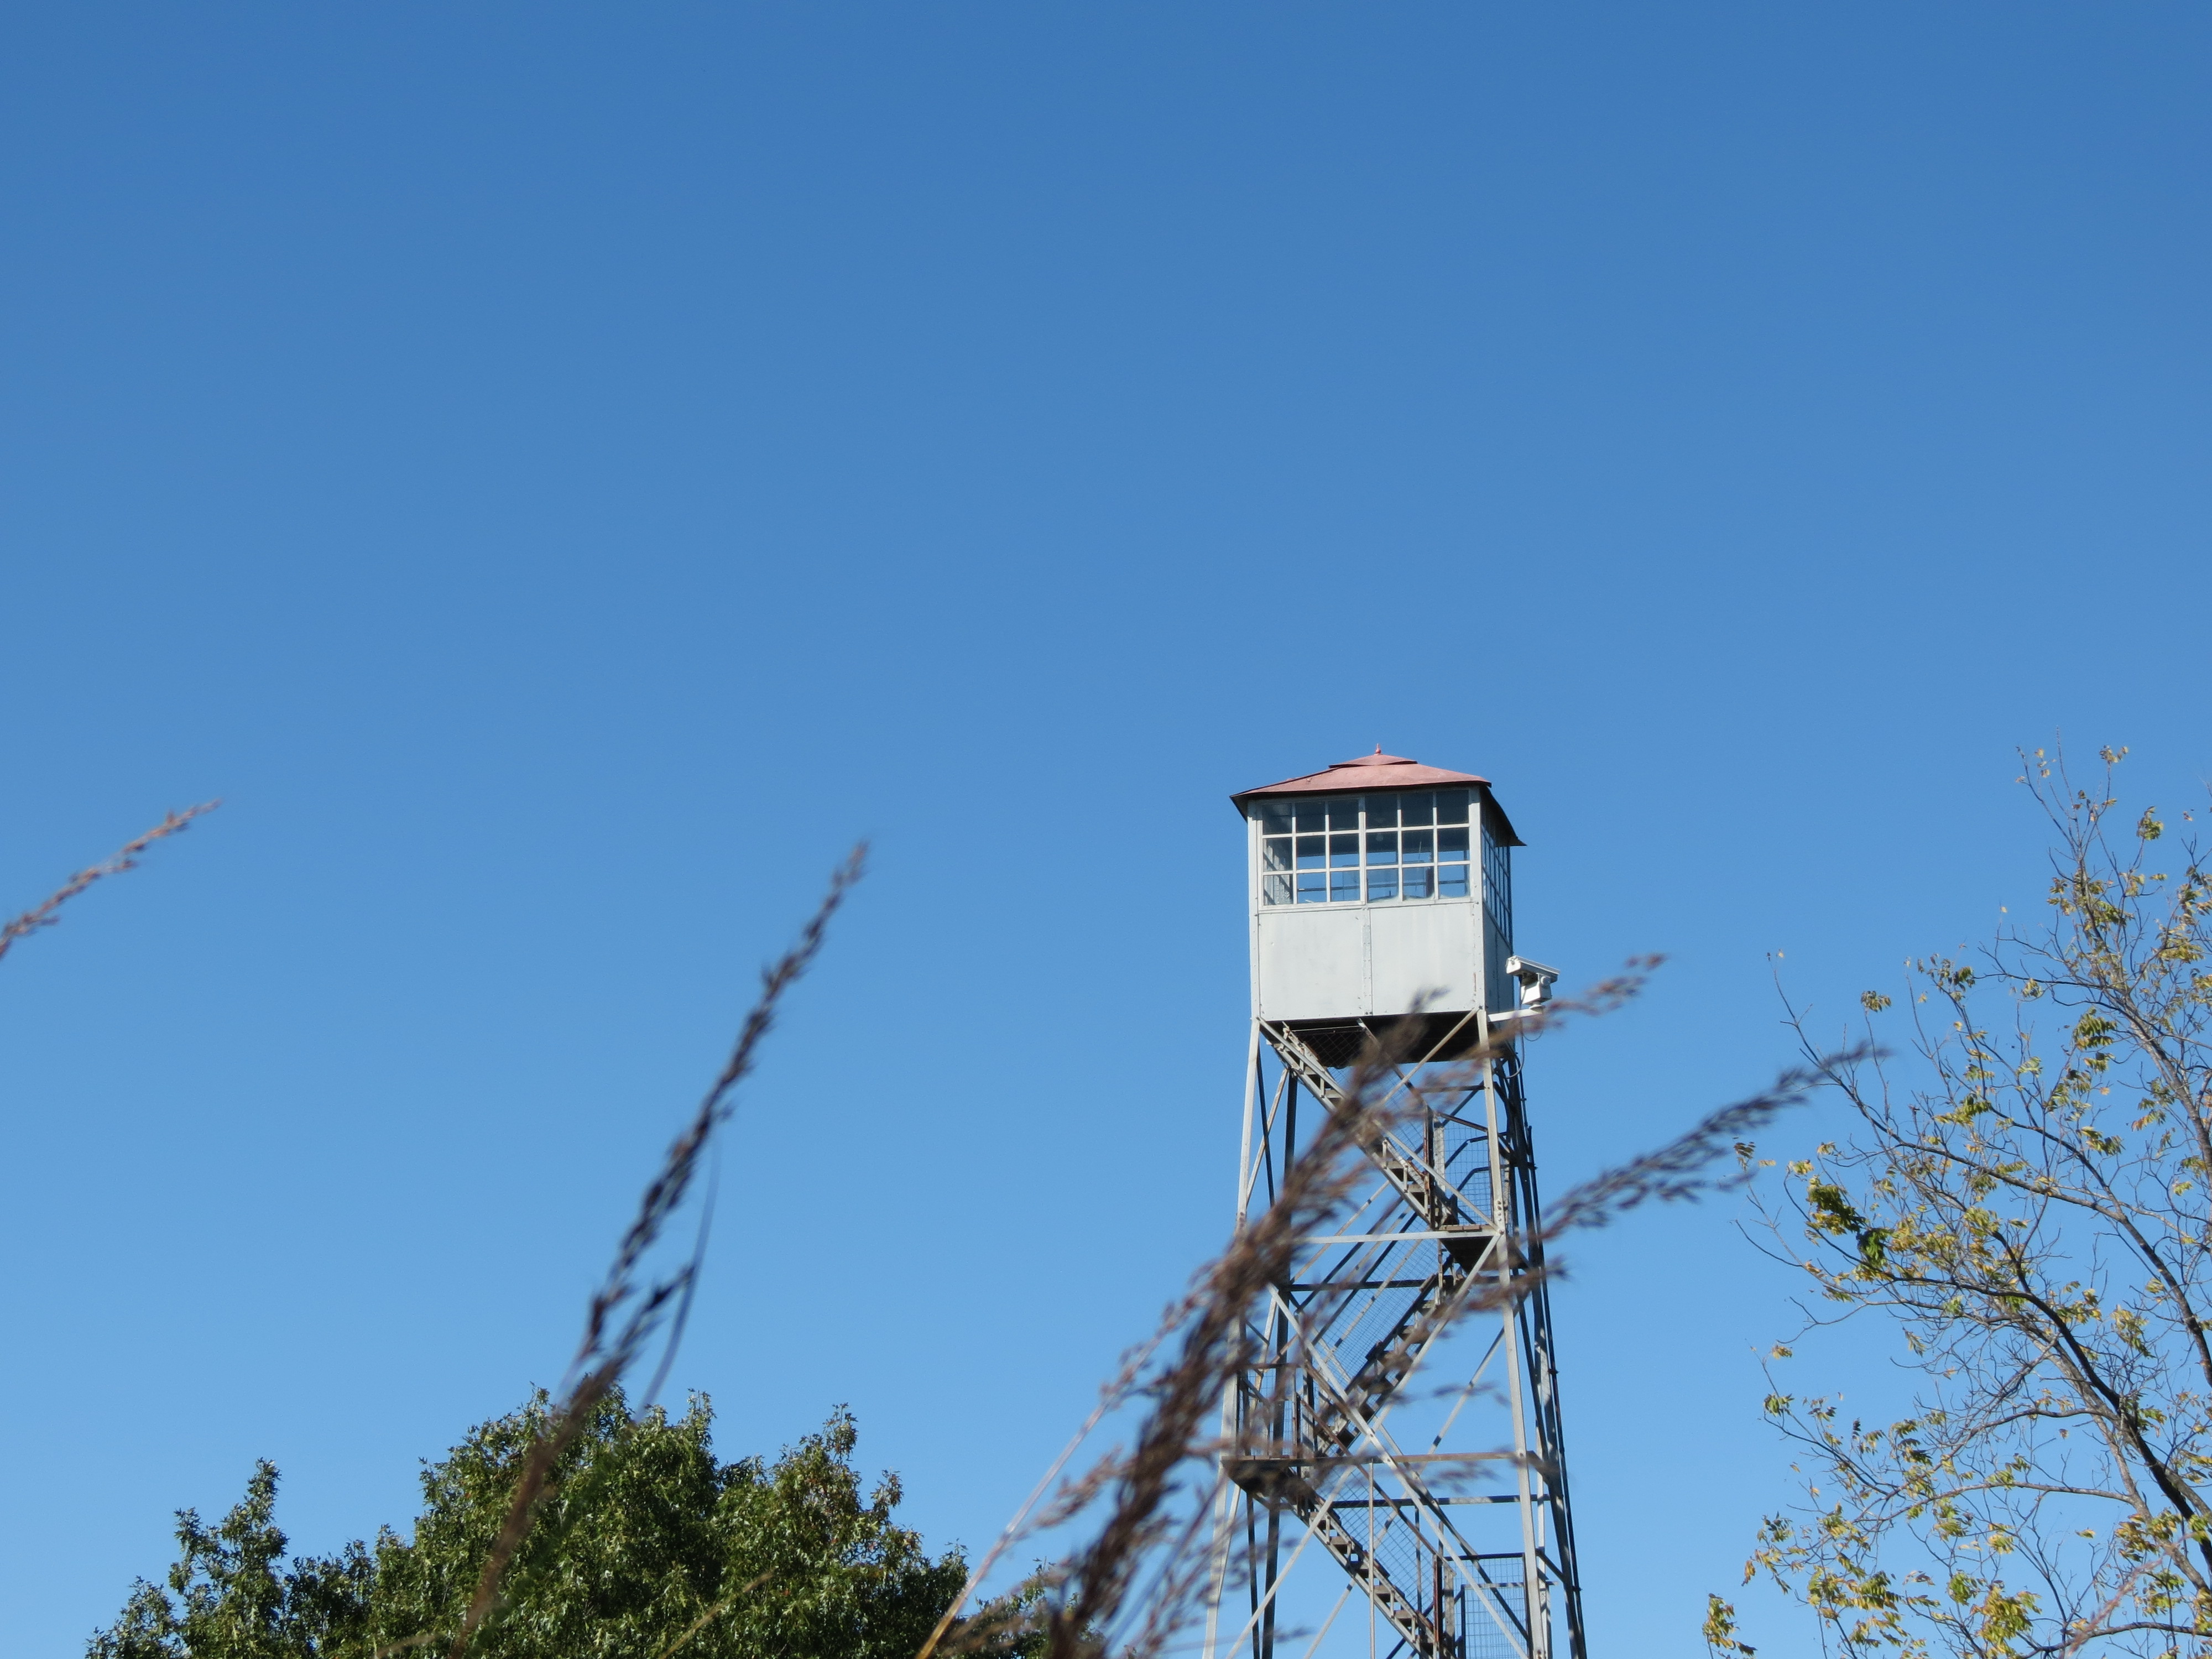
<point x="1396" y="1478"/>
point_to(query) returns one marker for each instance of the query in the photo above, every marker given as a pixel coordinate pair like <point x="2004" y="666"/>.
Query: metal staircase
<point x="1336" y="1345"/>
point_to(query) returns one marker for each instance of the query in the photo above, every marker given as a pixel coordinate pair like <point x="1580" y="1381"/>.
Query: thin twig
<point x="44" y="915"/>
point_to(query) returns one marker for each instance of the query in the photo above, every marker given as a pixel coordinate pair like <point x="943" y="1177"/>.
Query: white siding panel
<point x="1424" y="948"/>
<point x="1312" y="963"/>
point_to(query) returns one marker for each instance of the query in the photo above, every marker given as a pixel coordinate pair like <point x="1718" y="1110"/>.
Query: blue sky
<point x="560" y="474"/>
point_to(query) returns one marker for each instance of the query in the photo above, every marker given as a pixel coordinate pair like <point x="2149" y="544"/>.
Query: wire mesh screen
<point x="1397" y="1554"/>
<point x="1366" y="1319"/>
<point x="1505" y="1596"/>
<point x="1468" y="1167"/>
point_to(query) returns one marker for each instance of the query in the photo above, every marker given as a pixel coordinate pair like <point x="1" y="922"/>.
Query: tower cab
<point x="1380" y="893"/>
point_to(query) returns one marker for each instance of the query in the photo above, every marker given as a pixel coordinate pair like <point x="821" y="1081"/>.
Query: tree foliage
<point x="647" y="1545"/>
<point x="2025" y="1197"/>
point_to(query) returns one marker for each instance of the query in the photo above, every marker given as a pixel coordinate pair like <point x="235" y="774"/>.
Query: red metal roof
<point x="1366" y="773"/>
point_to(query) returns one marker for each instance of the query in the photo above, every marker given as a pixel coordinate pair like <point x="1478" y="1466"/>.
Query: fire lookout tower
<point x="1381" y="910"/>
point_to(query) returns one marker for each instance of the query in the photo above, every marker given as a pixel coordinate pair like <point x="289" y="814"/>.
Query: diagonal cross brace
<point x="1282" y="1481"/>
<point x="1275" y="1480"/>
<point x="1435" y="1199"/>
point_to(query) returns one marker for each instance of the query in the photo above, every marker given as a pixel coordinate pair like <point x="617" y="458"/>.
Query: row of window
<point x="1411" y="808"/>
<point x="1379" y="864"/>
<point x="1343" y="886"/>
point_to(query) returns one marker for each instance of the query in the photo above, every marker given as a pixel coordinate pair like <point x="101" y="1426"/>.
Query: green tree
<point x="646" y="1546"/>
<point x="235" y="1596"/>
<point x="2025" y="1200"/>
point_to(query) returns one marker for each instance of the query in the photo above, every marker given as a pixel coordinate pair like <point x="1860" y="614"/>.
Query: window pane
<point x="1451" y="806"/>
<point x="1275" y="852"/>
<point x="1451" y="881"/>
<point x="1420" y="846"/>
<point x="1451" y="846"/>
<point x="1383" y="847"/>
<point x="1343" y="850"/>
<point x="1311" y="849"/>
<point x="1313" y="814"/>
<point x="1313" y="886"/>
<point x="1417" y="809"/>
<point x="1275" y="890"/>
<point x="1421" y="881"/>
<point x="1343" y="885"/>
<point x="1274" y="817"/>
<point x="1382" y="884"/>
<point x="1381" y="812"/>
<point x="1343" y="812"/>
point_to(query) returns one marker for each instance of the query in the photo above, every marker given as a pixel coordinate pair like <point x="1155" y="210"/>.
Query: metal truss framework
<point x="1446" y="1562"/>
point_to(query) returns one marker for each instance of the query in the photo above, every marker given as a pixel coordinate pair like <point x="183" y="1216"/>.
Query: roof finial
<point x="1378" y="748"/>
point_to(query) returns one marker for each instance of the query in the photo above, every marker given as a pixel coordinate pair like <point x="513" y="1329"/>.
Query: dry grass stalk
<point x="1100" y="1576"/>
<point x="1115" y="1393"/>
<point x="125" y="857"/>
<point x="627" y="1311"/>
<point x="1141" y="1579"/>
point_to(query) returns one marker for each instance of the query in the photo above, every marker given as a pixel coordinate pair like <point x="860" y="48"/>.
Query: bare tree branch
<point x="2023" y="1202"/>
